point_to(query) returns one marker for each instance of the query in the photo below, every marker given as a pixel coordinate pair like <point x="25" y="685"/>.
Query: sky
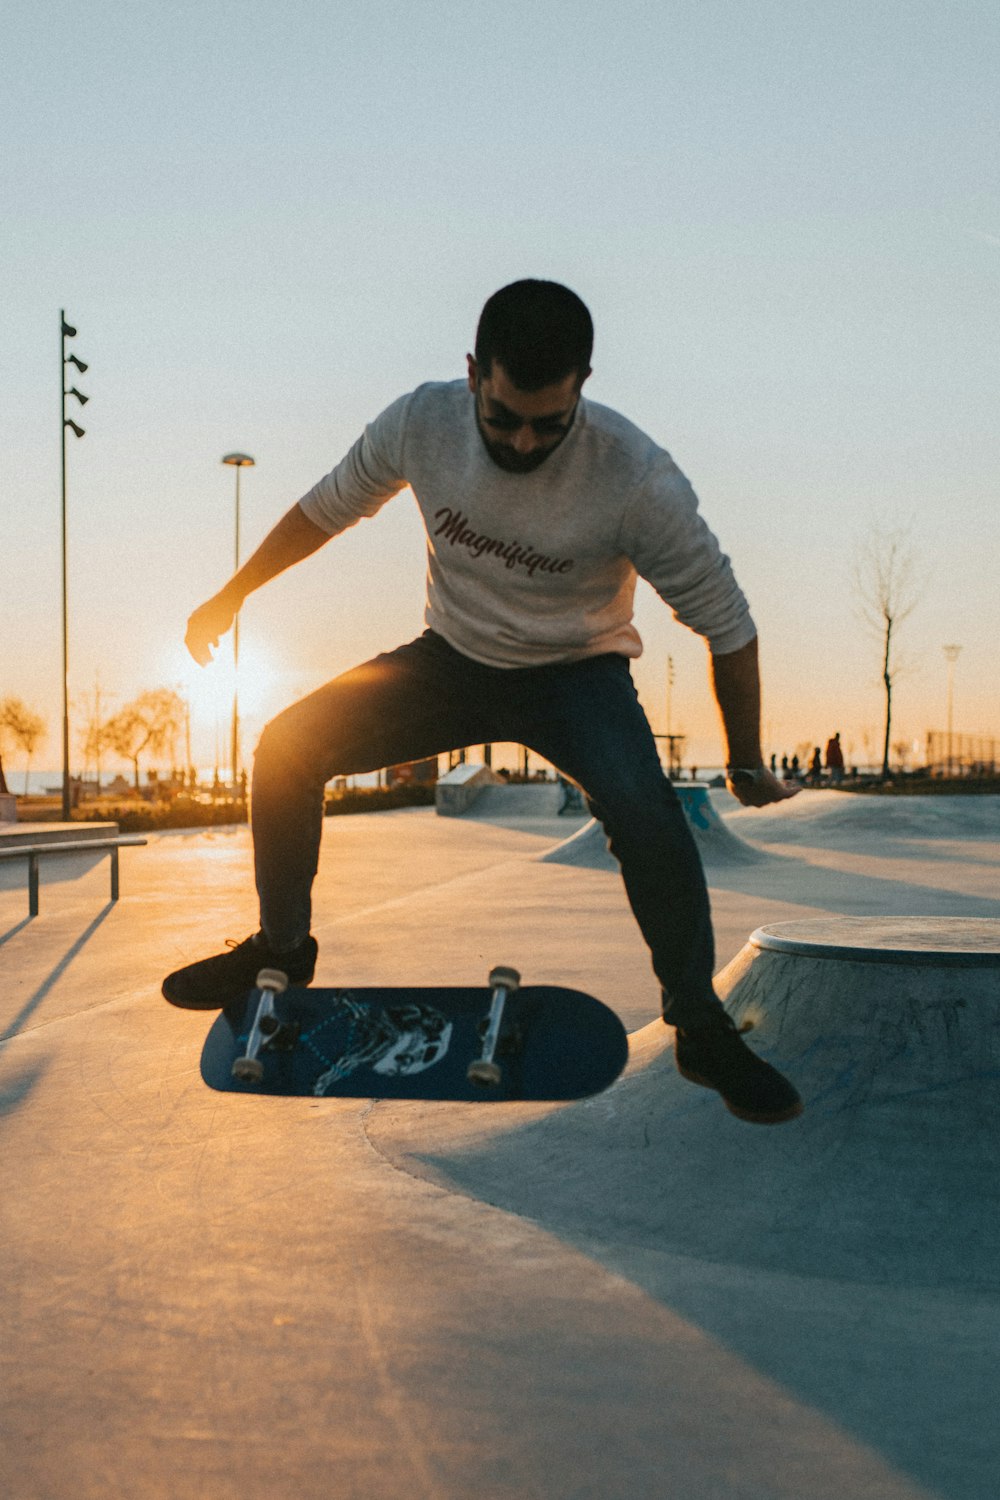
<point x="267" y="222"/>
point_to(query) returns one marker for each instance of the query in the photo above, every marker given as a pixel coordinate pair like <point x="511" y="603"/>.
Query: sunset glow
<point x="208" y="693"/>
<point x="784" y="220"/>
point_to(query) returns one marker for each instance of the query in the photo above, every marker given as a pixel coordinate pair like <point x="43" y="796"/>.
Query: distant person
<point x="541" y="511"/>
<point x="786" y="769"/>
<point x="571" y="800"/>
<point x="816" y="767"/>
<point x="835" y="760"/>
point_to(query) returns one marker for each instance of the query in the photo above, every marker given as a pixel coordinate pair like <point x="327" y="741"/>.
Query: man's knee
<point x="283" y="749"/>
<point x="641" y="809"/>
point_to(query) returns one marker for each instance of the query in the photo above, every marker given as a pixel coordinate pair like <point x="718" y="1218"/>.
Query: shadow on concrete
<point x="16" y="1089"/>
<point x="880" y="1365"/>
<point x="52" y="870"/>
<point x="800" y="882"/>
<point x="851" y="1257"/>
<point x="12" y="932"/>
<point x="34" y="1001"/>
<point x="981" y="848"/>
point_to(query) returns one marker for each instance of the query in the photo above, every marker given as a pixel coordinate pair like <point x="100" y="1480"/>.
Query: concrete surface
<point x="521" y="804"/>
<point x="210" y="1296"/>
<point x="717" y="844"/>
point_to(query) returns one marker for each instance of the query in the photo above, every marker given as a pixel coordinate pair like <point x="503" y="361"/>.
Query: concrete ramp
<point x="845" y="820"/>
<point x="476" y="792"/>
<point x="890" y="1029"/>
<point x="530" y="799"/>
<point x="717" y="845"/>
<point x="460" y="788"/>
<point x="587" y="849"/>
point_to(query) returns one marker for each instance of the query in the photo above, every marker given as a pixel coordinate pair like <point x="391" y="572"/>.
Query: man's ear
<point x="471" y="363"/>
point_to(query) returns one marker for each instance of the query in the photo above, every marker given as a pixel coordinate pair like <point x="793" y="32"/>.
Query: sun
<point x="259" y="688"/>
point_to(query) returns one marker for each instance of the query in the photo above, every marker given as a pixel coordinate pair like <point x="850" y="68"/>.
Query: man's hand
<point x="207" y="624"/>
<point x="736" y="680"/>
<point x="294" y="538"/>
<point x="758" y="787"/>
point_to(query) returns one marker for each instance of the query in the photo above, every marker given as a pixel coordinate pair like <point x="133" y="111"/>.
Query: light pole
<point x="670" y="686"/>
<point x="237" y="461"/>
<point x="66" y="331"/>
<point x="673" y="760"/>
<point x="951" y="655"/>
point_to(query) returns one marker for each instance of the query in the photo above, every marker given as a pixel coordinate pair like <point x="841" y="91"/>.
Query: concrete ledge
<point x="458" y="789"/>
<point x="14" y="834"/>
<point x="930" y="942"/>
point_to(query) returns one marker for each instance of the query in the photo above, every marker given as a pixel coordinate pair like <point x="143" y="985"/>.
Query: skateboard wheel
<point x="248" y="1070"/>
<point x="272" y="979"/>
<point x="509" y="978"/>
<point x="486" y="1074"/>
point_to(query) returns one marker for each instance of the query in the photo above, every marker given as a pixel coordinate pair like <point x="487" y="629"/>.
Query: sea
<point x="49" y="783"/>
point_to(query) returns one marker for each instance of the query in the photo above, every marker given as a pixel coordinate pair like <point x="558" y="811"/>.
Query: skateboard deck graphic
<point x="491" y="1043"/>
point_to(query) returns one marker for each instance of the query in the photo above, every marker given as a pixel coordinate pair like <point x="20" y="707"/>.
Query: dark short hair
<point x="538" y="330"/>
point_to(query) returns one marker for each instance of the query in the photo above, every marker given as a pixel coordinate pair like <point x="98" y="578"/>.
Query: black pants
<point x="426" y="698"/>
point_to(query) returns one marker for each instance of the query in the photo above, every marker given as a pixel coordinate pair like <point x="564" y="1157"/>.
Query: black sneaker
<point x="716" y="1056"/>
<point x="213" y="983"/>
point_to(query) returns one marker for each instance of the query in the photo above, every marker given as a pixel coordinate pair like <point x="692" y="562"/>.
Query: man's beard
<point x="506" y="457"/>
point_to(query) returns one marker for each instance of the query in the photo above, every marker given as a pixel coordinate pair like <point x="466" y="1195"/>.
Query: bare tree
<point x="901" y="750"/>
<point x="93" y="736"/>
<point x="887" y="590"/>
<point x="27" y="728"/>
<point x="150" y="722"/>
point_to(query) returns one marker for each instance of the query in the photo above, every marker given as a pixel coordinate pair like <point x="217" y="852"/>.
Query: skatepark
<point x="211" y="1296"/>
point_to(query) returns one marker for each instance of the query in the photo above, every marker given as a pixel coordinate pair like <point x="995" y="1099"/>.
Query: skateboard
<point x="497" y="1042"/>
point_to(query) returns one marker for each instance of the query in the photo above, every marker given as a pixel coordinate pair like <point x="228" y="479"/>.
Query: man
<point x="835" y="759"/>
<point x="541" y="509"/>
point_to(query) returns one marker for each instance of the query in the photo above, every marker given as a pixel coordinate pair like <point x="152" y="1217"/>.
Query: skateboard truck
<point x="485" y="1070"/>
<point x="270" y="982"/>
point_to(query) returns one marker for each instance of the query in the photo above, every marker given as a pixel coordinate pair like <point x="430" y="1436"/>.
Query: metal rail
<point x="33" y="852"/>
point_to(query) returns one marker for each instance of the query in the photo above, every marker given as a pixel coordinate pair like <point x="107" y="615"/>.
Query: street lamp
<point x="237" y="461"/>
<point x="674" y="741"/>
<point x="951" y="655"/>
<point x="66" y="331"/>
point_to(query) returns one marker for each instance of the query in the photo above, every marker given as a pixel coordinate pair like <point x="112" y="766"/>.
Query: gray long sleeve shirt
<point x="528" y="569"/>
